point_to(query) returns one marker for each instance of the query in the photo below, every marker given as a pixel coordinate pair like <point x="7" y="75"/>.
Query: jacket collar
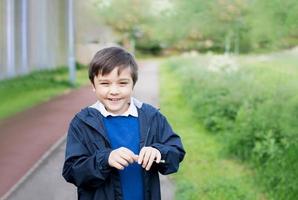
<point x="94" y="118"/>
<point x="132" y="109"/>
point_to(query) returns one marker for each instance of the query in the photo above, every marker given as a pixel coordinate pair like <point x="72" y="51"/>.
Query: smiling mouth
<point x="114" y="99"/>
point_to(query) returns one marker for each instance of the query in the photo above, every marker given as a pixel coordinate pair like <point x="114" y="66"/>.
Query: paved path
<point x="28" y="135"/>
<point x="45" y="182"/>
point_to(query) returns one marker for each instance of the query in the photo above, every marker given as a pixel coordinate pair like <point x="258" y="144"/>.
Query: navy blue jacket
<point x="88" y="148"/>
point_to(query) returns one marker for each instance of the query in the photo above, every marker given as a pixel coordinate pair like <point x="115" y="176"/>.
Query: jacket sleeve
<point x="170" y="146"/>
<point x="80" y="167"/>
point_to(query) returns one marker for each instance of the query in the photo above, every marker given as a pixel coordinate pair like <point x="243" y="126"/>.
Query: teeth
<point x="114" y="99"/>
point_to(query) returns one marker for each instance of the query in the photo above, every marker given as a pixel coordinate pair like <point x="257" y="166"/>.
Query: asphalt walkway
<point x="33" y="142"/>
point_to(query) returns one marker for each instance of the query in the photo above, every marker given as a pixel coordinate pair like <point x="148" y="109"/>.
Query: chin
<point x="114" y="110"/>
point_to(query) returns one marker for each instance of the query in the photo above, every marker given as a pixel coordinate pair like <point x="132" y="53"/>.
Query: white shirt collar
<point x="132" y="109"/>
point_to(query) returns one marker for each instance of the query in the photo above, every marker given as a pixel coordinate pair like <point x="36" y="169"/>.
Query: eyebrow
<point x="101" y="80"/>
<point x="123" y="79"/>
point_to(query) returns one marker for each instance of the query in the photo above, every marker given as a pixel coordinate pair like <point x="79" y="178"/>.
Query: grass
<point x="21" y="93"/>
<point x="205" y="173"/>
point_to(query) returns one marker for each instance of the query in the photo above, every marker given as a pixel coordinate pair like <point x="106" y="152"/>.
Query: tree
<point x="126" y="17"/>
<point x="218" y="25"/>
<point x="273" y="23"/>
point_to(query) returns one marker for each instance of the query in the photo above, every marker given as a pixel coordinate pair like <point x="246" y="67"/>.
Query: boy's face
<point x="114" y="90"/>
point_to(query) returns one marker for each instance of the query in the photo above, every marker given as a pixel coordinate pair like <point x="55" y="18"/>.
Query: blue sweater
<point x="124" y="132"/>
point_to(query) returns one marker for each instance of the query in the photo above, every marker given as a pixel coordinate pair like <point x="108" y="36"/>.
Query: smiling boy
<point x="115" y="146"/>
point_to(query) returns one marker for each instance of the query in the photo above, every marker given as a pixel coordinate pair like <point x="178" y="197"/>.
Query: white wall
<point x="45" y="28"/>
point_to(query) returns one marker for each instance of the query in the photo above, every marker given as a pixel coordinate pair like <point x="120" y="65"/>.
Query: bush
<point x="149" y="47"/>
<point x="280" y="174"/>
<point x="255" y="113"/>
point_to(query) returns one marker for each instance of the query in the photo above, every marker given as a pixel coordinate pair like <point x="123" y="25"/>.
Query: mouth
<point x="114" y="99"/>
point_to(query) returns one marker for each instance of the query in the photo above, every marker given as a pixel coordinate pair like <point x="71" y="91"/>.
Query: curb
<point x="33" y="168"/>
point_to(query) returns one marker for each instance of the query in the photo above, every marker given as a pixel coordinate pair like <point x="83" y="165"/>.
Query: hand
<point x="121" y="157"/>
<point x="147" y="156"/>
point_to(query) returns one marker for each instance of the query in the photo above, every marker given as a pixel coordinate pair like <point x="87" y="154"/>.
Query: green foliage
<point x="273" y="24"/>
<point x="253" y="110"/>
<point x="234" y="26"/>
<point x="205" y="172"/>
<point x="126" y="17"/>
<point x="149" y="47"/>
<point x="280" y="174"/>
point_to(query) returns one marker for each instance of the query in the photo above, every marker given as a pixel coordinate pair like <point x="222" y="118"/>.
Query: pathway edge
<point x="34" y="167"/>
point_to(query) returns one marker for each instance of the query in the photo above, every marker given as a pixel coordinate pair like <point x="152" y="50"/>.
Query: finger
<point x="122" y="161"/>
<point x="150" y="161"/>
<point x="158" y="157"/>
<point x="146" y="158"/>
<point x="125" y="156"/>
<point x="113" y="163"/>
<point x="135" y="158"/>
<point x="118" y="166"/>
<point x="128" y="155"/>
<point x="141" y="155"/>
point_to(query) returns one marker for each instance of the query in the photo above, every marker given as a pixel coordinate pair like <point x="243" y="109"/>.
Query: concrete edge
<point x="34" y="167"/>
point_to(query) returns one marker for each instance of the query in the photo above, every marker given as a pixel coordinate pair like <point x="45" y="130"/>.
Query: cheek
<point x="100" y="92"/>
<point x="127" y="91"/>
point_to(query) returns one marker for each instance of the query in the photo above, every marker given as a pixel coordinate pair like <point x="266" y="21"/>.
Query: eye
<point x="104" y="83"/>
<point x="123" y="83"/>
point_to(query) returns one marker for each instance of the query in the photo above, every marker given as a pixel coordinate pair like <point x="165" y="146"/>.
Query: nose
<point x="114" y="89"/>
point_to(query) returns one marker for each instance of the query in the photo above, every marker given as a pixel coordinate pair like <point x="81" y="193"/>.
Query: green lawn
<point x="21" y="93"/>
<point x="205" y="173"/>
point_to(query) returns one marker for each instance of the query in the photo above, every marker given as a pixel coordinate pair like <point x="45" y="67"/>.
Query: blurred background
<point x="228" y="74"/>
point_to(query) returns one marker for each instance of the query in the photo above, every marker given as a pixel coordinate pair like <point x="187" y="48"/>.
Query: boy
<point x="116" y="147"/>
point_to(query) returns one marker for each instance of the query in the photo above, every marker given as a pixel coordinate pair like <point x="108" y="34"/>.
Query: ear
<point x="93" y="88"/>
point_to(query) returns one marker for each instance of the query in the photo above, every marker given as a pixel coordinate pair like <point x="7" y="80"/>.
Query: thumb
<point x="135" y="157"/>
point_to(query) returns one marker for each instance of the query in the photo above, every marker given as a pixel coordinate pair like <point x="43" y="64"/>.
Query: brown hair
<point x="107" y="59"/>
